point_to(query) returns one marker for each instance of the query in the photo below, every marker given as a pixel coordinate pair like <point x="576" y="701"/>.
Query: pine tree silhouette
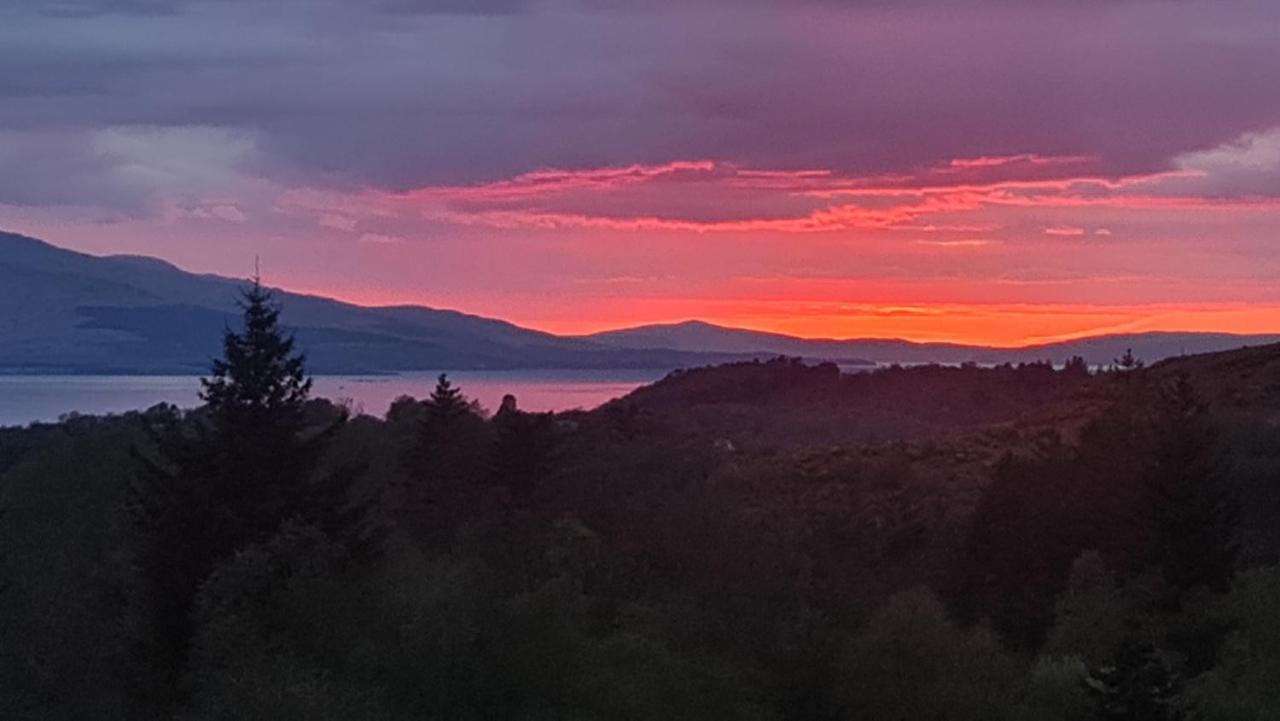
<point x="259" y="379"/>
<point x="1128" y="362"/>
<point x="231" y="475"/>
<point x="441" y="453"/>
<point x="255" y="398"/>
<point x="446" y="462"/>
<point x="446" y="403"/>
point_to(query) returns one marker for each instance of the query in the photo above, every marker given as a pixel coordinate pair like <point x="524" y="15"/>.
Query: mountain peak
<point x="694" y="323"/>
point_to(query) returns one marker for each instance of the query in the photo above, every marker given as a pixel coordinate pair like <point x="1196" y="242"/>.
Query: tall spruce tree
<point x="230" y="475"/>
<point x="255" y="398"/>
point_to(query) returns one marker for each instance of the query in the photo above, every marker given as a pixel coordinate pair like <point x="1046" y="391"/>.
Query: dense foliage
<point x="755" y="541"/>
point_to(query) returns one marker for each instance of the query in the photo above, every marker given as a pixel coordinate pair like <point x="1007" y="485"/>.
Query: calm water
<point x="24" y="399"/>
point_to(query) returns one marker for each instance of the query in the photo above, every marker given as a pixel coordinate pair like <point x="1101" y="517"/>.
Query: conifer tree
<point x="445" y="461"/>
<point x="445" y="447"/>
<point x="255" y="399"/>
<point x="230" y="475"/>
<point x="1128" y="362"/>
<point x="259" y="374"/>
<point x="446" y="403"/>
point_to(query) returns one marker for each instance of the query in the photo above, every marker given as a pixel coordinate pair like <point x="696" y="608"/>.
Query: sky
<point x="989" y="171"/>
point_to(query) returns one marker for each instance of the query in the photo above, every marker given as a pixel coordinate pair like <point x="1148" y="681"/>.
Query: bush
<point x="911" y="663"/>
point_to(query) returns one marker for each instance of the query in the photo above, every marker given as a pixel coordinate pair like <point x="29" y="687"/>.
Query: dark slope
<point x="873" y="478"/>
<point x="67" y="312"/>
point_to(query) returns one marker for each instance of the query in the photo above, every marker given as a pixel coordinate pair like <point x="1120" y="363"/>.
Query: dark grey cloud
<point x="456" y="7"/>
<point x="94" y="8"/>
<point x="400" y="93"/>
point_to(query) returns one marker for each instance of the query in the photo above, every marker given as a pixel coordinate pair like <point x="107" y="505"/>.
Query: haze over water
<point x="28" y="398"/>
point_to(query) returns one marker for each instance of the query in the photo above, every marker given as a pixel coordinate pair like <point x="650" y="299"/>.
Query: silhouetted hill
<point x="891" y="463"/>
<point x="786" y="402"/>
<point x="67" y="312"/>
<point x="1246" y="380"/>
<point x="1097" y="351"/>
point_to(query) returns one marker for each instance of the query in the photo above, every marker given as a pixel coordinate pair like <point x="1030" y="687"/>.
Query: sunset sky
<point x="995" y="171"/>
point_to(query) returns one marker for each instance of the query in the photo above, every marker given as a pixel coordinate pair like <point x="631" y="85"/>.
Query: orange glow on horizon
<point x="993" y="250"/>
<point x="997" y="325"/>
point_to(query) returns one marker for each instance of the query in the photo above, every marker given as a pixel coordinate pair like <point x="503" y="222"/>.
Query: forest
<point x="761" y="540"/>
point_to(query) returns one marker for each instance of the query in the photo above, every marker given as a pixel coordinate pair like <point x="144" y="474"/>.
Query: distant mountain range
<point x="67" y="312"/>
<point x="1097" y="350"/>
<point x="63" y="312"/>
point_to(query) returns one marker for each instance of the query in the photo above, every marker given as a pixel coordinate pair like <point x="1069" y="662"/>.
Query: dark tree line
<point x="1144" y="486"/>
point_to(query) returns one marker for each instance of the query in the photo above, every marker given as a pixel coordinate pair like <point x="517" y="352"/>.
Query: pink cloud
<point x="995" y="161"/>
<point x="552" y="181"/>
<point x="707" y="196"/>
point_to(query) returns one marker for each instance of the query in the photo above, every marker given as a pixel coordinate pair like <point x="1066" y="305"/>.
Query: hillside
<point x="66" y="312"/>
<point x="892" y="463"/>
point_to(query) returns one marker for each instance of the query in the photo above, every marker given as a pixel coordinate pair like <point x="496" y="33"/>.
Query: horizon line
<point x="1030" y="342"/>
